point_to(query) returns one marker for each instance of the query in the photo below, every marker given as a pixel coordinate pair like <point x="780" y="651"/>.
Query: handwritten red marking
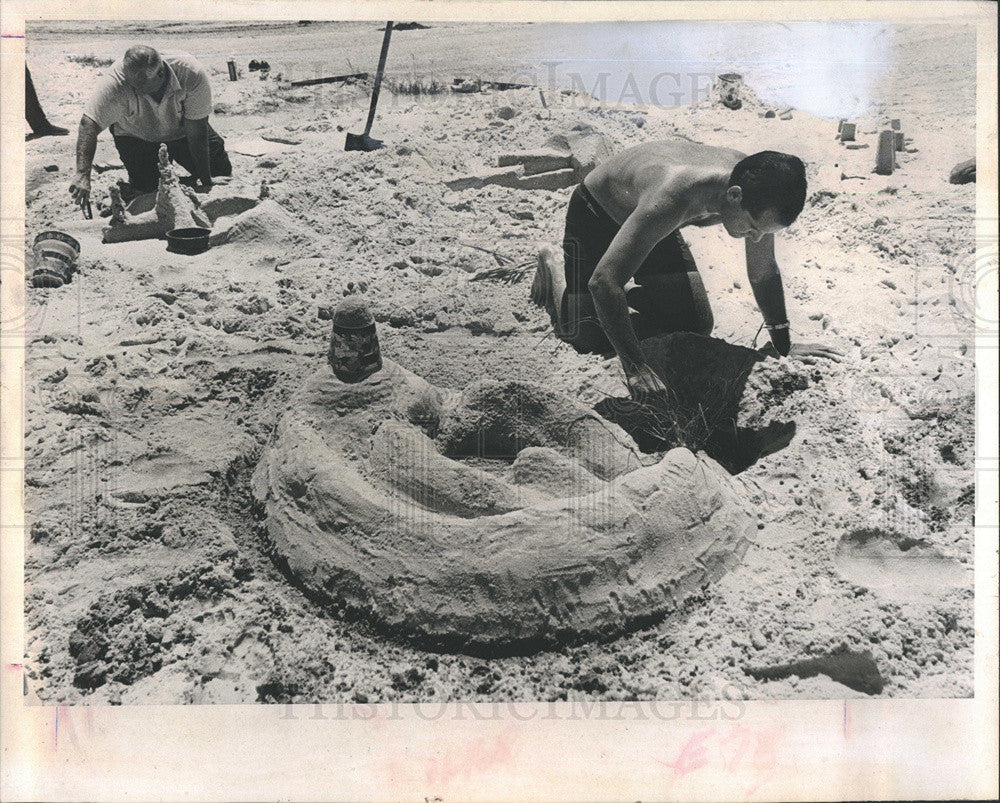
<point x="739" y="749"/>
<point x="765" y="756"/>
<point x="478" y="757"/>
<point x="693" y="756"/>
<point x="737" y="744"/>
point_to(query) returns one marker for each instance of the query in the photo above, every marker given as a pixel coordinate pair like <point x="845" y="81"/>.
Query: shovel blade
<point x="362" y="142"/>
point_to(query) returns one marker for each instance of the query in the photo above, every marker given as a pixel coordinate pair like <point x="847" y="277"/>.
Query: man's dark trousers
<point x="141" y="159"/>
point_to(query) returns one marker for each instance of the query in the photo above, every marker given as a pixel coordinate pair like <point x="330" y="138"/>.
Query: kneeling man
<point x="623" y="223"/>
<point x="148" y="99"/>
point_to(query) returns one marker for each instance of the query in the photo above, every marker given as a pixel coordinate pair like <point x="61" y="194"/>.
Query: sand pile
<point x="500" y="418"/>
<point x="266" y="226"/>
<point x="425" y="546"/>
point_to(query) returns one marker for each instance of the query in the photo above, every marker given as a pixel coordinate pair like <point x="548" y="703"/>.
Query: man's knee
<point x="704" y="322"/>
<point x="218" y="157"/>
<point x="580" y="326"/>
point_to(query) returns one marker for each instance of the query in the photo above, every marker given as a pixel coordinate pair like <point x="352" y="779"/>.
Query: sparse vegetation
<point x="90" y="60"/>
<point x="415" y="86"/>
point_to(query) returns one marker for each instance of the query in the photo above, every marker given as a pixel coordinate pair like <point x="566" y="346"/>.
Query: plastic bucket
<point x="354" y="351"/>
<point x="728" y="88"/>
<point x="58" y="245"/>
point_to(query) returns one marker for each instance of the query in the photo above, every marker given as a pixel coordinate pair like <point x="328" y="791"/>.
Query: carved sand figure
<point x="576" y="539"/>
<point x="176" y="207"/>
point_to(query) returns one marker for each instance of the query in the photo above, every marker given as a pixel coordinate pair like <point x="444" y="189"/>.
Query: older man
<point x="145" y="100"/>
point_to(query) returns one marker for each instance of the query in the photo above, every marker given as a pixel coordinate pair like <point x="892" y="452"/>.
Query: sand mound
<point x="500" y="418"/>
<point x="426" y="546"/>
<point x="267" y="224"/>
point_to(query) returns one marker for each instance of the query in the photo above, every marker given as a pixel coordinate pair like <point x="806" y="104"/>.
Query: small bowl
<point x="188" y="241"/>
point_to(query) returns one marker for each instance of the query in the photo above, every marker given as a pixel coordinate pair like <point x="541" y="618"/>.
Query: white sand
<point x="154" y="381"/>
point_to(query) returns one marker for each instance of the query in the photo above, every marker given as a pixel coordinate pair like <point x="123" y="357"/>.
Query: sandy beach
<point x="156" y="381"/>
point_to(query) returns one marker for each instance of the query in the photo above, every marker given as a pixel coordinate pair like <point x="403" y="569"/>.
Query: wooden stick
<point x="330" y="80"/>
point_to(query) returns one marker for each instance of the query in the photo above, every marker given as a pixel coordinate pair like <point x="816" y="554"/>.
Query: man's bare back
<point x="659" y="167"/>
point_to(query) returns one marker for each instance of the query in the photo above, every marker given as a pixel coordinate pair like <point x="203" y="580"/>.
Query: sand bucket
<point x="354" y="351"/>
<point x="727" y="87"/>
<point x="55" y="258"/>
<point x="58" y="245"/>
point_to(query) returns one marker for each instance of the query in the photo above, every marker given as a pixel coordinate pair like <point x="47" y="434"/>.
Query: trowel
<point x="363" y="142"/>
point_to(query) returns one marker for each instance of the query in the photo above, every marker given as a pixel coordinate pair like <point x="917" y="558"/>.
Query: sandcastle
<point x="581" y="536"/>
<point x="175" y="207"/>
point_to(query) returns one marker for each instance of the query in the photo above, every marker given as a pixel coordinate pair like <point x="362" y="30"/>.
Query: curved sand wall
<point x="369" y="512"/>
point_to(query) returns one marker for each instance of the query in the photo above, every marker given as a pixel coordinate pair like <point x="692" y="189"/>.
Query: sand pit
<point x="707" y="378"/>
<point x="369" y="512"/>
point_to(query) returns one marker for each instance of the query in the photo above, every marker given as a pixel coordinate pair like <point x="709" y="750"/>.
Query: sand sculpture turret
<point x="176" y="207"/>
<point x="368" y="498"/>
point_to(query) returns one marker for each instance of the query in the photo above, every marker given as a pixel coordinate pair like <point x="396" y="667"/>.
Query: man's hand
<point x="644" y="383"/>
<point x="79" y="188"/>
<point x="809" y="352"/>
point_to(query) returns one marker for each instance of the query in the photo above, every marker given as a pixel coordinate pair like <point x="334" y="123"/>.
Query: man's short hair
<point x="771" y="180"/>
<point x="140" y="58"/>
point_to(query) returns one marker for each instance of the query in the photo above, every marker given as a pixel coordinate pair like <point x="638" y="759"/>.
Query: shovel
<point x="363" y="142"/>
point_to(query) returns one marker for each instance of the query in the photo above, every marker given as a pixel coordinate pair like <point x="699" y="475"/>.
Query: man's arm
<point x="765" y="280"/>
<point x="86" y="147"/>
<point x="196" y="132"/>
<point x="652" y="220"/>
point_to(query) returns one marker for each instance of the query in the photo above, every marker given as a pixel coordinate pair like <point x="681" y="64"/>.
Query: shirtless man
<point x="624" y="223"/>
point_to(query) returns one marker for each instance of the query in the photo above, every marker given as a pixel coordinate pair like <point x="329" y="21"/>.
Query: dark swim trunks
<point x="670" y="296"/>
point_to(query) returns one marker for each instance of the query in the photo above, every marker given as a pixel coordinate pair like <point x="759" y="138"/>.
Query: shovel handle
<point x="378" y="77"/>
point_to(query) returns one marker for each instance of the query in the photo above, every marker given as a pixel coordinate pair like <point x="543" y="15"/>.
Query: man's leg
<point x="581" y="326"/>
<point x="33" y="114"/>
<point x="671" y="302"/>
<point x="670" y="295"/>
<point x="589" y="231"/>
<point x="218" y="159"/>
<point x="141" y="161"/>
<point x="573" y="315"/>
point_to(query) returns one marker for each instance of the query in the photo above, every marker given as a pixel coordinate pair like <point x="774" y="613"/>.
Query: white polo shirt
<point x="188" y="97"/>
